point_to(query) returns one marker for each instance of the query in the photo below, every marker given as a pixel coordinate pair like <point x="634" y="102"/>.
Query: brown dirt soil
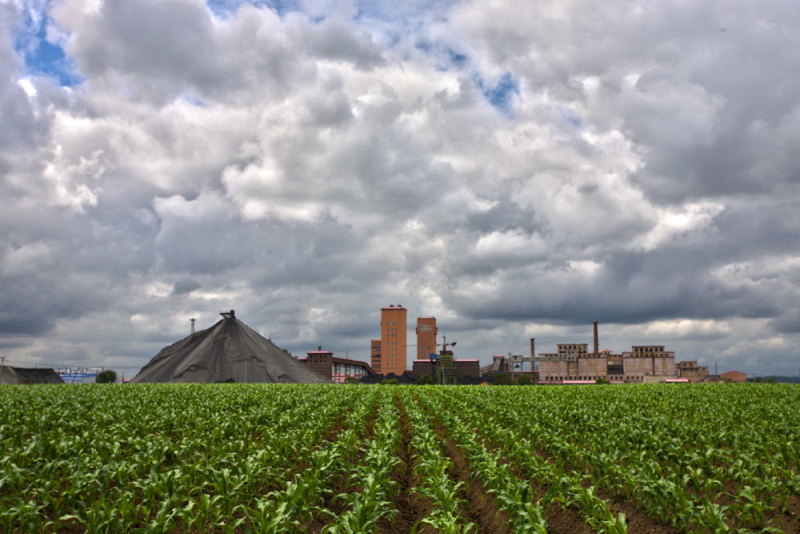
<point x="638" y="521"/>
<point x="562" y="520"/>
<point x="789" y="523"/>
<point x="480" y="507"/>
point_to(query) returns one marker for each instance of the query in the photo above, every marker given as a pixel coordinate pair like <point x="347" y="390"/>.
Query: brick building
<point x="391" y="356"/>
<point x="426" y="337"/>
<point x="337" y="369"/>
<point x="692" y="371"/>
<point x="375" y="355"/>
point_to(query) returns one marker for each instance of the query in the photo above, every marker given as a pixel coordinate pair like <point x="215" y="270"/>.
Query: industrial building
<point x="573" y="363"/>
<point x="426" y="337"/>
<point x="388" y="355"/>
<point x="691" y="371"/>
<point x="339" y="370"/>
<point x="375" y="355"/>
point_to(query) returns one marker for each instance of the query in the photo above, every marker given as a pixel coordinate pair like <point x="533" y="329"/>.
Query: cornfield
<point x="254" y="458"/>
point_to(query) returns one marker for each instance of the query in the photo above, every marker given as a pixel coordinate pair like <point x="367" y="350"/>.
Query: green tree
<point x="602" y="380"/>
<point x="109" y="376"/>
<point x="389" y="382"/>
<point x="524" y="380"/>
<point x="424" y="379"/>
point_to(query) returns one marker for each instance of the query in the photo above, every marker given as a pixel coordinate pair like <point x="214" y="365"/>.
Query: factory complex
<point x="572" y="363"/>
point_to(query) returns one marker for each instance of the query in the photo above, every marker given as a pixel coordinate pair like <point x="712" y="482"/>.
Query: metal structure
<point x="444" y="368"/>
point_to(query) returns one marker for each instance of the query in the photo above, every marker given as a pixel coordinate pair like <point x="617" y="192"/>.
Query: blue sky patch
<point x="43" y="58"/>
<point x="222" y="8"/>
<point x="50" y="60"/>
<point x="500" y="94"/>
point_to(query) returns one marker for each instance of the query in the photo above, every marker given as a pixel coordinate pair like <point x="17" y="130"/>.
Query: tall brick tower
<point x="394" y="327"/>
<point x="375" y="355"/>
<point x="426" y="337"/>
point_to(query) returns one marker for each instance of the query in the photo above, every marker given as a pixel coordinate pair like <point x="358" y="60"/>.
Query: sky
<point x="515" y="169"/>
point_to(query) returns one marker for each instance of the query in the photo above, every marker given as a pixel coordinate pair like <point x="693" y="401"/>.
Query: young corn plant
<point x="432" y="468"/>
<point x="373" y="500"/>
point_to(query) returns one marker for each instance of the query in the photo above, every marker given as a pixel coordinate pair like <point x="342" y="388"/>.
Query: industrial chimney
<point x="596" y="347"/>
<point x="533" y="347"/>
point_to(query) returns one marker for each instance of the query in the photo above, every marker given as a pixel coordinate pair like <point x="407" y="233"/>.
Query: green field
<point x="336" y="458"/>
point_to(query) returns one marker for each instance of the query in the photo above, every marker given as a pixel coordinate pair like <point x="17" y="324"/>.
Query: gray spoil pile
<point x="21" y="375"/>
<point x="229" y="351"/>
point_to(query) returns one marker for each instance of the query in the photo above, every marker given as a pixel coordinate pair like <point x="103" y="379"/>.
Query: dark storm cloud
<point x="184" y="286"/>
<point x="787" y="323"/>
<point x="62" y="356"/>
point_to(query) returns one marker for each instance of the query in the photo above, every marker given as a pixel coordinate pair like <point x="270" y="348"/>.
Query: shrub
<point x="109" y="376"/>
<point x="524" y="380"/>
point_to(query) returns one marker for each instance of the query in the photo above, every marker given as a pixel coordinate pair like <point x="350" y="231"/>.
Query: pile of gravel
<point x="229" y="351"/>
<point x="22" y="375"/>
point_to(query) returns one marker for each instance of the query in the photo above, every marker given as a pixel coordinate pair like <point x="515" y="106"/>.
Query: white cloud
<point x="338" y="156"/>
<point x="673" y="222"/>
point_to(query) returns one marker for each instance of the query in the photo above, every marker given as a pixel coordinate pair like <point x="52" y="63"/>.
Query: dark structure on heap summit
<point x="229" y="351"/>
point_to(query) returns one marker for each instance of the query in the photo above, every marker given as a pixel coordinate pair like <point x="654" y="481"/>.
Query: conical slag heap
<point x="229" y="351"/>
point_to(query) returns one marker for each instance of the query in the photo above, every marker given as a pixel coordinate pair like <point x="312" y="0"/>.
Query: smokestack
<point x="533" y="347"/>
<point x="596" y="348"/>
